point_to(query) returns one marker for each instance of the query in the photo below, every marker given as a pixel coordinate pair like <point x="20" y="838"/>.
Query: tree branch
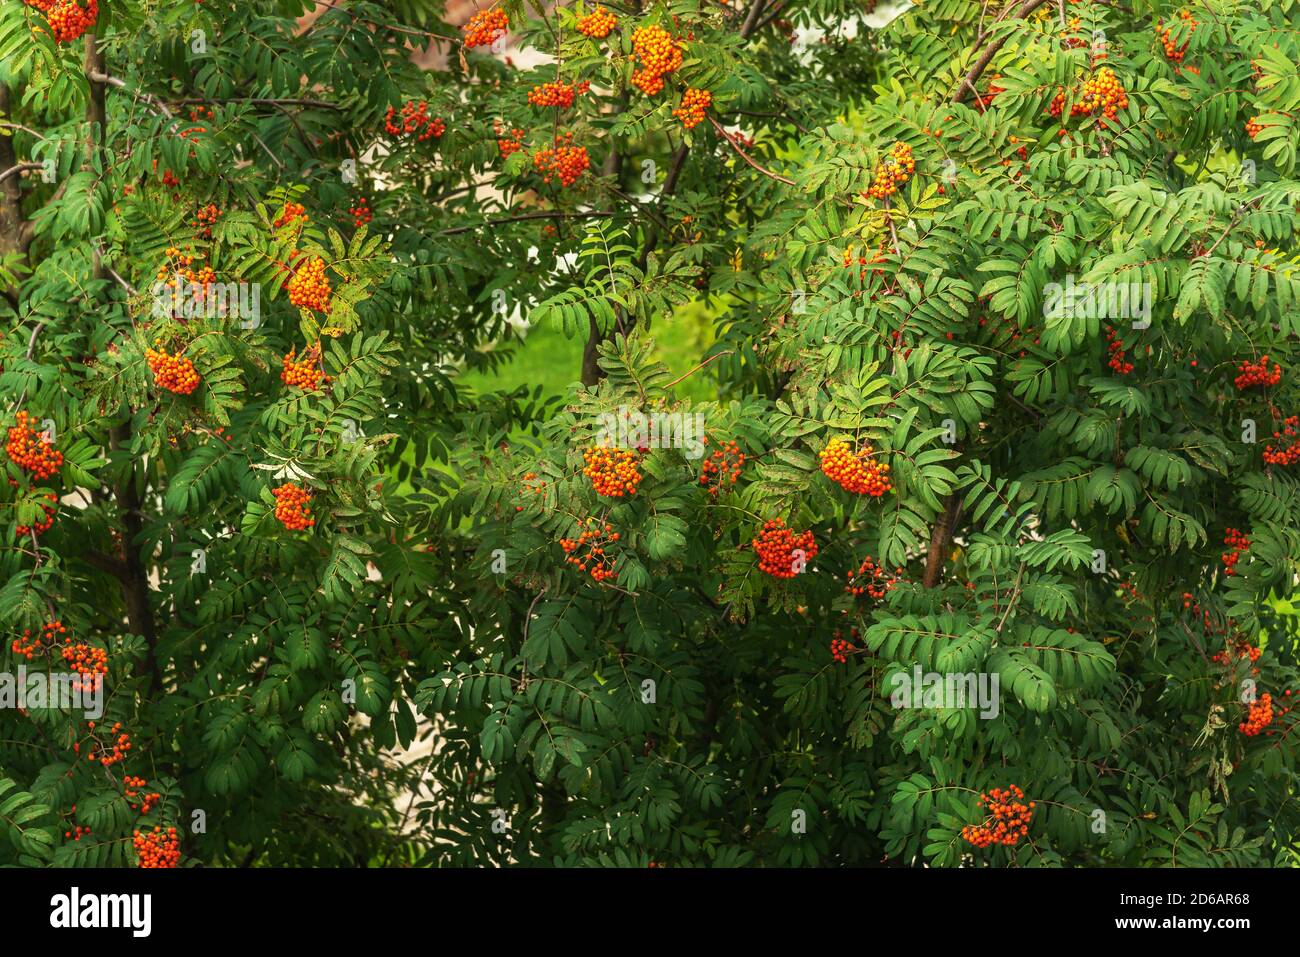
<point x="967" y="82"/>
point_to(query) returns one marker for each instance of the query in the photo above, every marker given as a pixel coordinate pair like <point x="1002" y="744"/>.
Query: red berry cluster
<point x="1115" y="348"/>
<point x="694" y="104"/>
<point x="856" y="471"/>
<point x="589" y="552"/>
<point x="598" y="24"/>
<point x="1258" y="716"/>
<point x="892" y="171"/>
<point x="1174" y="52"/>
<point x="69" y="19"/>
<point x="872" y="580"/>
<point x="305" y="373"/>
<point x="310" y="287"/>
<point x="658" y="55"/>
<point x="722" y="467"/>
<point x="31" y="450"/>
<point x="559" y="95"/>
<point x="175" y="373"/>
<point x="87" y="663"/>
<point x="485" y="28"/>
<point x="563" y="161"/>
<point x="42" y="525"/>
<point x="134" y="788"/>
<point x="1237" y="543"/>
<point x="158" y="848"/>
<point x="292" y="212"/>
<point x="1290" y="435"/>
<point x="842" y="647"/>
<point x="776" y="545"/>
<point x="414" y="118"/>
<point x="28" y="646"/>
<point x="1007" y="822"/>
<point x="1237" y="650"/>
<point x="77" y="832"/>
<point x="1250" y="374"/>
<point x="360" y="211"/>
<point x="613" y="472"/>
<point x="293" y="507"/>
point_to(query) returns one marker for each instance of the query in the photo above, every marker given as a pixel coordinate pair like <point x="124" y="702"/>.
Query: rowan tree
<point x="293" y="542"/>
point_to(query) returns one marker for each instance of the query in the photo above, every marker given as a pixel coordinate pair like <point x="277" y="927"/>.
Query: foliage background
<point x="273" y="691"/>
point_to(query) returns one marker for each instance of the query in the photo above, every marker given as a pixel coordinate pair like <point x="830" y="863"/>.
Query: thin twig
<point x="746" y="157"/>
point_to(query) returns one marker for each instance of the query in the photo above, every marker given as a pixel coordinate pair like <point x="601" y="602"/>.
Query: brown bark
<point x="940" y="538"/>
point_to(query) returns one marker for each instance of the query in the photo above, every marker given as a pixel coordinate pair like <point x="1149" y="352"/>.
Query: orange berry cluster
<point x="508" y="142"/>
<point x="613" y="472"/>
<point x="68" y="18"/>
<point x="776" y="546"/>
<point x="1290" y="454"/>
<point x="561" y="95"/>
<point x="42" y="525"/>
<point x="181" y="267"/>
<point x="292" y="211"/>
<point x="1250" y="374"/>
<point x="31" y="450"/>
<point x="872" y="580"/>
<point x="1102" y="93"/>
<point x="589" y="551"/>
<point x="1115" y="347"/>
<point x="292" y="507"/>
<point x="158" y="849"/>
<point x="361" y="213"/>
<point x="485" y="28"/>
<point x="694" y="104"/>
<point x="853" y="471"/>
<point x="1254" y="127"/>
<point x="658" y="54"/>
<point x="120" y="745"/>
<point x="134" y="787"/>
<point x="1174" y="52"/>
<point x="1237" y="543"/>
<point x="1008" y="821"/>
<point x="175" y="373"/>
<point x="564" y="161"/>
<point x="892" y="171"/>
<point x="722" y="467"/>
<point x="532" y="483"/>
<point x="1258" y="717"/>
<point x="598" y="24"/>
<point x="88" y="663"/>
<point x="310" y="287"/>
<point x="28" y="647"/>
<point x="305" y="374"/>
<point x="206" y="218"/>
<point x="413" y="118"/>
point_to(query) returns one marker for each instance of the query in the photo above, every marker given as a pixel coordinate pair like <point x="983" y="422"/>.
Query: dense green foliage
<point x="1051" y="505"/>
